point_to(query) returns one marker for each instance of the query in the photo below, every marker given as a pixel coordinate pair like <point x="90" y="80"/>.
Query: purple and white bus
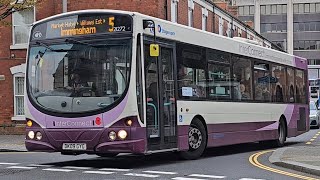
<point x="106" y="82"/>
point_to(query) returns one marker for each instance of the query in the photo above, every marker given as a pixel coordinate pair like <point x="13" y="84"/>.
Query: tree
<point x="7" y="7"/>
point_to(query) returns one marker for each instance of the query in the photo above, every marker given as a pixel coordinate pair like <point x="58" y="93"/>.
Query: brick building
<point x="201" y="14"/>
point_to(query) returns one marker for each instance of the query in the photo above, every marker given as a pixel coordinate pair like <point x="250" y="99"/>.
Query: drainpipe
<point x="166" y="9"/>
<point x="64" y="6"/>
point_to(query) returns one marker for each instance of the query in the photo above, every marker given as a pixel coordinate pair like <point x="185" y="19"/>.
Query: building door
<point x="160" y="97"/>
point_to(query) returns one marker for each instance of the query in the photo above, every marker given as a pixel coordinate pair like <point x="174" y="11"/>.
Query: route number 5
<point x="111" y="23"/>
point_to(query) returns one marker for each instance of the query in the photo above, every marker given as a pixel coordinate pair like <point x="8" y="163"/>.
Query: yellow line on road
<point x="254" y="161"/>
<point x="308" y="143"/>
<point x="312" y="139"/>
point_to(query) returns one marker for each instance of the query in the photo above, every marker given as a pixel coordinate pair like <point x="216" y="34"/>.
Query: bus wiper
<point x="54" y="50"/>
<point x="77" y="42"/>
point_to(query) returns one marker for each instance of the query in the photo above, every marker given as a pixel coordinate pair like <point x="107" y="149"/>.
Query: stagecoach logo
<point x="37" y="34"/>
<point x="160" y="29"/>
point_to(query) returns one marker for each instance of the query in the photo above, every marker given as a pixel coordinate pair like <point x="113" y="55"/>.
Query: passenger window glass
<point x="300" y="87"/>
<point x="219" y="81"/>
<point x="242" y="78"/>
<point x="278" y="83"/>
<point x="262" y="82"/>
<point x="290" y="89"/>
<point x="191" y="71"/>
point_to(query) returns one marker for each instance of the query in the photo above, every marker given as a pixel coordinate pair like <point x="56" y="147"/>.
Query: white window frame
<point x="204" y="19"/>
<point x="190" y="12"/>
<point x="17" y="71"/>
<point x="221" y="26"/>
<point x="22" y="45"/>
<point x="174" y="11"/>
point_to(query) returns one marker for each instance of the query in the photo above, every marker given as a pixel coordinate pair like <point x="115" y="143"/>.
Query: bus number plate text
<point x="74" y="146"/>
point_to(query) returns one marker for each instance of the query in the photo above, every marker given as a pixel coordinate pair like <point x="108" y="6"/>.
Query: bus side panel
<point x="234" y="123"/>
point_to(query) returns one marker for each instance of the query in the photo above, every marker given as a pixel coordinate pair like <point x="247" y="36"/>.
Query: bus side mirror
<point x="154" y="50"/>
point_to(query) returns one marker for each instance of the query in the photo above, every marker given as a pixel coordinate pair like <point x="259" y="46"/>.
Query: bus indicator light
<point x="29" y="123"/>
<point x="129" y="122"/>
<point x="98" y="121"/>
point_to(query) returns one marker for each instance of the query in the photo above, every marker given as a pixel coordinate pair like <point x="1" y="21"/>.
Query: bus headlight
<point x="112" y="135"/>
<point x="31" y="134"/>
<point x="39" y="136"/>
<point x="122" y="134"/>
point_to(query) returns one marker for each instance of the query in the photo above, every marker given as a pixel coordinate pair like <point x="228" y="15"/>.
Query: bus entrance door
<point x="160" y="95"/>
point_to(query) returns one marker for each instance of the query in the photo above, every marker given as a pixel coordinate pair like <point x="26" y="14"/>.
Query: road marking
<point x="58" y="170"/>
<point x="20" y="167"/>
<point x="115" y="169"/>
<point x="254" y="161"/>
<point x="18" y="152"/>
<point x="312" y="139"/>
<point x="207" y="176"/>
<point x="40" y="165"/>
<point x="250" y="179"/>
<point x="97" y="172"/>
<point x="161" y="172"/>
<point x="142" y="175"/>
<point x="308" y="143"/>
<point x="315" y="137"/>
<point x="3" y="163"/>
<point x="185" y="178"/>
<point x="75" y="167"/>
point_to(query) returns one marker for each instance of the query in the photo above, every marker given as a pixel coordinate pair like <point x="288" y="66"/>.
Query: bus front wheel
<point x="197" y="140"/>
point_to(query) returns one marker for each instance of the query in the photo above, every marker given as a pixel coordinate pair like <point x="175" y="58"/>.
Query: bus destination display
<point x="82" y="25"/>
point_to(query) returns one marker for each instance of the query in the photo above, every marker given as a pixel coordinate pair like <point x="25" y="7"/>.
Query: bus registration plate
<point x="74" y="146"/>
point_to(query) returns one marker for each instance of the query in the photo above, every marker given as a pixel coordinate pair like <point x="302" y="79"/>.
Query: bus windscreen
<point x="82" y="24"/>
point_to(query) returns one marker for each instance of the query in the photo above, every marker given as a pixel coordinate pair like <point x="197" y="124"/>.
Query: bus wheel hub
<point x="195" y="138"/>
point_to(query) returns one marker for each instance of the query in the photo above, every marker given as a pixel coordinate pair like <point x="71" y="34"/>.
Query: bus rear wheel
<point x="281" y="135"/>
<point x="197" y="140"/>
<point x="107" y="154"/>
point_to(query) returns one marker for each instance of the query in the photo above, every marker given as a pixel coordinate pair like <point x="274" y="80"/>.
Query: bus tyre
<point x="197" y="140"/>
<point x="281" y="135"/>
<point x="107" y="154"/>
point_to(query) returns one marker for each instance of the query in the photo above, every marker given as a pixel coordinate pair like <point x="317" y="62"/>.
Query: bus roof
<point x="182" y="33"/>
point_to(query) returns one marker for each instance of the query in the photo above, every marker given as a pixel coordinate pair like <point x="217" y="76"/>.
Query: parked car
<point x="314" y="115"/>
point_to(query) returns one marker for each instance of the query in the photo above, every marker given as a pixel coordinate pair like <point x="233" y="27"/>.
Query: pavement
<point x="300" y="158"/>
<point x="11" y="143"/>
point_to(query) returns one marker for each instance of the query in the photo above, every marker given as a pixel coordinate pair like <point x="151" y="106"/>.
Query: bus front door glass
<point x="160" y="96"/>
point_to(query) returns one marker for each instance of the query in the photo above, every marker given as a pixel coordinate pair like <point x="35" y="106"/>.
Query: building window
<point x="268" y="9"/>
<point x="18" y="73"/>
<point x="301" y="8"/>
<point x="21" y="22"/>
<point x="295" y="8"/>
<point x="318" y="7"/>
<point x="312" y="8"/>
<point x="251" y="10"/>
<point x="240" y="11"/>
<point x="307" y="8"/>
<point x="246" y="10"/>
<point x="204" y="18"/>
<point x="190" y="12"/>
<point x="174" y="10"/>
<point x="263" y="9"/>
<point x="18" y="96"/>
<point x="284" y="9"/>
<point x="273" y="9"/>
